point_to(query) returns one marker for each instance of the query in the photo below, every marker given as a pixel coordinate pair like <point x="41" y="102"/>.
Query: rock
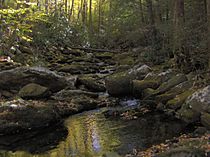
<point x="111" y="154"/>
<point x="175" y="93"/>
<point x="195" y="104"/>
<point x="120" y="84"/>
<point x="75" y="105"/>
<point x="16" y="78"/>
<point x="140" y="71"/>
<point x="78" y="69"/>
<point x="166" y="86"/>
<point x="69" y="94"/>
<point x="200" y="131"/>
<point x="180" y="99"/>
<point x="104" y="55"/>
<point x="6" y="94"/>
<point x="91" y="84"/>
<point x="33" y="91"/>
<point x="205" y="120"/>
<point x="19" y="116"/>
<point x="148" y="92"/>
<point x="140" y="85"/>
<point x="183" y="152"/>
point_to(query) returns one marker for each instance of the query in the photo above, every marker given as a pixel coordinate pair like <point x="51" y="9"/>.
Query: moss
<point x="148" y="92"/>
<point x="179" y="100"/>
<point x="124" y="59"/>
<point x="176" y="80"/>
<point x="164" y="97"/>
<point x="188" y="115"/>
<point x="105" y="55"/>
<point x="33" y="90"/>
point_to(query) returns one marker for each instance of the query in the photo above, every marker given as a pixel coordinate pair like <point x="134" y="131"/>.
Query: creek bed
<point x="90" y="134"/>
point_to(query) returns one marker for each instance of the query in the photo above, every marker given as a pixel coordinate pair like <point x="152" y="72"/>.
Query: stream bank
<point x="36" y="98"/>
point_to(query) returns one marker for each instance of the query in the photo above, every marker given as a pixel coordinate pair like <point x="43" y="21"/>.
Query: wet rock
<point x="33" y="91"/>
<point x="120" y="84"/>
<point x="75" y="105"/>
<point x="69" y="94"/>
<point x="16" y="78"/>
<point x="19" y="116"/>
<point x="195" y="104"/>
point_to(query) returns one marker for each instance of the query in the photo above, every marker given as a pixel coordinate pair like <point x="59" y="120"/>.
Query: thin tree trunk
<point x="46" y="6"/>
<point x="141" y="11"/>
<point x="178" y="24"/>
<point x="90" y="17"/>
<point x="71" y="10"/>
<point x="208" y="24"/>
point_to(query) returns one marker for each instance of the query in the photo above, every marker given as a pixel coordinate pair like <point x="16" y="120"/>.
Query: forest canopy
<point x="160" y="28"/>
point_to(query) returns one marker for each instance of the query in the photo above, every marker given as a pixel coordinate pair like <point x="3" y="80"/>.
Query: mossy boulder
<point x="120" y="83"/>
<point x="179" y="100"/>
<point x="205" y="120"/>
<point x="148" y="92"/>
<point x="195" y="105"/>
<point x="91" y="84"/>
<point x="66" y="94"/>
<point x="33" y="91"/>
<point x="166" y="86"/>
<point x="173" y="92"/>
<point x="140" y="85"/>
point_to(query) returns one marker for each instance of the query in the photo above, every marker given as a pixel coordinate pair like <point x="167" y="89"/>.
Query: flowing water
<point x="90" y="134"/>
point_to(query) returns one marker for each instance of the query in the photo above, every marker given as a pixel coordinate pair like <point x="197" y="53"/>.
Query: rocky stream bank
<point x="72" y="81"/>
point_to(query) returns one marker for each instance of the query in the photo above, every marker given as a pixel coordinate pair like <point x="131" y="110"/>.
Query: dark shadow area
<point x="34" y="142"/>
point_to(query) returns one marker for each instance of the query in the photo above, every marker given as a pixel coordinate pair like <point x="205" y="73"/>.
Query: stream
<point x="91" y="134"/>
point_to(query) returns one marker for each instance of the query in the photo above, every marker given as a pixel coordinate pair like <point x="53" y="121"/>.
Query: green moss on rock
<point x="34" y="91"/>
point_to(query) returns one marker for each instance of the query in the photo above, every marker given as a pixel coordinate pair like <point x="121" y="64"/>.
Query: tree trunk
<point x="178" y="24"/>
<point x="150" y="12"/>
<point x="71" y="10"/>
<point x="208" y="26"/>
<point x="141" y="11"/>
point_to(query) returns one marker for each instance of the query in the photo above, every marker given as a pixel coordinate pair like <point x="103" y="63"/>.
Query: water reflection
<point x="90" y="134"/>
